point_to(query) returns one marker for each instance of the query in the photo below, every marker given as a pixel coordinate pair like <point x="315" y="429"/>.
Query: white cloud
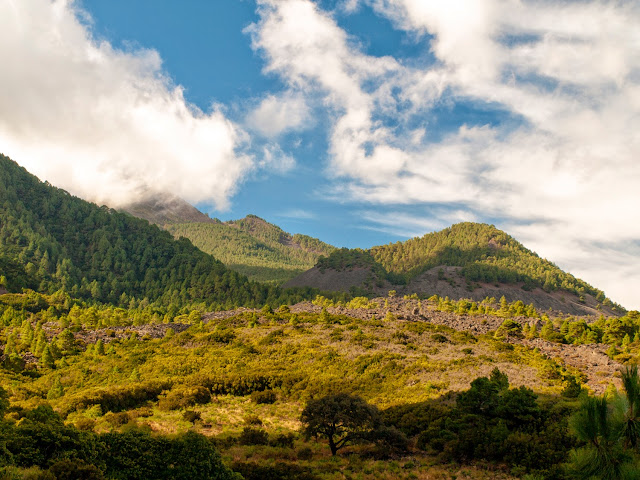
<point x="297" y="213"/>
<point x="278" y="114"/>
<point x="567" y="73"/>
<point x="410" y="226"/>
<point x="274" y="159"/>
<point x="105" y="123"/>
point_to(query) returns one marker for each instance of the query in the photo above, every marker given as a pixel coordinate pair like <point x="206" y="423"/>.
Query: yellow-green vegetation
<point x="245" y="379"/>
<point x="255" y="248"/>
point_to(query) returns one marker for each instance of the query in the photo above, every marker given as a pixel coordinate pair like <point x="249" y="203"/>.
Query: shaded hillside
<point x="51" y="240"/>
<point x="254" y="247"/>
<point x="166" y="209"/>
<point x="487" y="262"/>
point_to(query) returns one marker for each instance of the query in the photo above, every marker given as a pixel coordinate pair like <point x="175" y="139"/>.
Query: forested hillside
<point x="251" y="246"/>
<point x="50" y="240"/>
<point x="488" y="255"/>
<point x="484" y="254"/>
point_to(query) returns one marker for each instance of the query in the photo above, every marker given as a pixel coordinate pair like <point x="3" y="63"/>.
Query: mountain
<point x="51" y="240"/>
<point x="166" y="209"/>
<point x="252" y="246"/>
<point x="466" y="260"/>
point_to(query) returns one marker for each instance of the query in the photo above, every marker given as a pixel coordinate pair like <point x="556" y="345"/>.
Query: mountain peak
<point x="166" y="209"/>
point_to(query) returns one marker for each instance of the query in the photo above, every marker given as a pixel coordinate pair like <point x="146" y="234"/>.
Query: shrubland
<point x="243" y="379"/>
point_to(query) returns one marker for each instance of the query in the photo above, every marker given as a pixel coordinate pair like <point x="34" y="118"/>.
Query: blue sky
<point x="205" y="49"/>
<point x="360" y="122"/>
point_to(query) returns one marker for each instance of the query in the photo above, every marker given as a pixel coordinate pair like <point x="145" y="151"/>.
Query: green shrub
<point x="75" y="470"/>
<point x="279" y="471"/>
<point x="304" y="453"/>
<point x="191" y="416"/>
<point x="283" y="440"/>
<point x="264" y="397"/>
<point x="184" y="396"/>
<point x="253" y="436"/>
<point x="117" y="419"/>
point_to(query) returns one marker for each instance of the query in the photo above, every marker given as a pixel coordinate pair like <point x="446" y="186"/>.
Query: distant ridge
<point x="254" y="247"/>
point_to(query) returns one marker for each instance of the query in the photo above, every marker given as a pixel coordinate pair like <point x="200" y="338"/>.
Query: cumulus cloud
<point x="567" y="74"/>
<point x="276" y="115"/>
<point x="103" y="123"/>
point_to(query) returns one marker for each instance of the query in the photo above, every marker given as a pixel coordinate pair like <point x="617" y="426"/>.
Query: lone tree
<point x="342" y="419"/>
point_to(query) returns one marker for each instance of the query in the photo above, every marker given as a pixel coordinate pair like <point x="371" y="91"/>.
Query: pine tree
<point x="26" y="334"/>
<point x="99" y="348"/>
<point x="47" y="358"/>
<point x="41" y="343"/>
<point x="56" y="390"/>
<point x="10" y="347"/>
<point x="547" y="331"/>
<point x="504" y="307"/>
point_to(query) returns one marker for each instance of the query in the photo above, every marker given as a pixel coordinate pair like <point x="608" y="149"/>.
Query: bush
<point x="266" y="397"/>
<point x="117" y="419"/>
<point x="191" y="416"/>
<point x="252" y="420"/>
<point x="85" y="424"/>
<point x="304" y="453"/>
<point x="182" y="397"/>
<point x="438" y="337"/>
<point x="279" y="471"/>
<point x="283" y="440"/>
<point x="75" y="470"/>
<point x="253" y="436"/>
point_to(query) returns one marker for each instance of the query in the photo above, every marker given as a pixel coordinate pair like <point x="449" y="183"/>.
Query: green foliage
<point x="610" y="431"/>
<point x="98" y="254"/>
<point x="485" y="253"/>
<point x="4" y="402"/>
<point x="253" y="436"/>
<point x="278" y="471"/>
<point x="254" y="247"/>
<point x="264" y="397"/>
<point x="341" y="419"/>
<point x="184" y="396"/>
<point x="135" y="455"/>
<point x="493" y="423"/>
<point x="191" y="416"/>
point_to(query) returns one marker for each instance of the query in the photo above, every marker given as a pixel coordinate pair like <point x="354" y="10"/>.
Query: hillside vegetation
<point x="438" y="395"/>
<point x="251" y="246"/>
<point x="484" y="253"/>
<point x="50" y="240"/>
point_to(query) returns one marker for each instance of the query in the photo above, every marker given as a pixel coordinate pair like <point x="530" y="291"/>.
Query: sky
<point x="360" y="122"/>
